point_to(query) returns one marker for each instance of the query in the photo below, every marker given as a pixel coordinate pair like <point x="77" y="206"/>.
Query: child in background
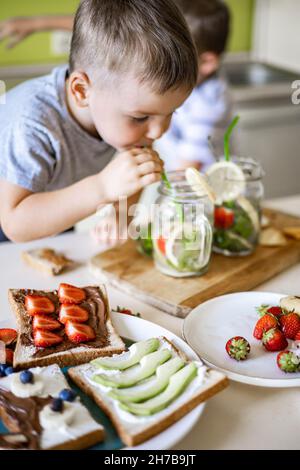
<point x="207" y="111"/>
<point x="59" y="132"/>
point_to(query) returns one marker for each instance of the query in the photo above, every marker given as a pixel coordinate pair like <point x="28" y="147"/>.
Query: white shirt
<point x="207" y="112"/>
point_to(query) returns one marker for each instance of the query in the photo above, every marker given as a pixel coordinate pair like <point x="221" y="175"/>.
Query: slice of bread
<point x="272" y="237"/>
<point x="134" y="429"/>
<point x="292" y="232"/>
<point x="27" y="418"/>
<point x="47" y="260"/>
<point x="290" y="304"/>
<point x="107" y="341"/>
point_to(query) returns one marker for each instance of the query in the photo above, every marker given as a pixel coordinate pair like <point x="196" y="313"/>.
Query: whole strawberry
<point x="238" y="348"/>
<point x="297" y="337"/>
<point x="264" y="324"/>
<point x="274" y="340"/>
<point x="273" y="310"/>
<point x="127" y="311"/>
<point x="287" y="361"/>
<point x="290" y="325"/>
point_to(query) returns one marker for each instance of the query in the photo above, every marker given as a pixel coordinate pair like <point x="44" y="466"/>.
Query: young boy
<point x="207" y="112"/>
<point x="130" y="68"/>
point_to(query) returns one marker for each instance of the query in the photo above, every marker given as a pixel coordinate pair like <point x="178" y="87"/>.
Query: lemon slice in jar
<point x="227" y="180"/>
<point x="199" y="184"/>
<point x="250" y="211"/>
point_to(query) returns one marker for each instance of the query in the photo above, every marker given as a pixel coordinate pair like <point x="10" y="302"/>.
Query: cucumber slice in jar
<point x="187" y="248"/>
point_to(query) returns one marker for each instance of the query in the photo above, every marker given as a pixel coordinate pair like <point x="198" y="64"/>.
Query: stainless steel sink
<point x="269" y="127"/>
<point x="253" y="74"/>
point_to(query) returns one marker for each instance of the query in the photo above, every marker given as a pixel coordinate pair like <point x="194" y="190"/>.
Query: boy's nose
<point x="156" y="131"/>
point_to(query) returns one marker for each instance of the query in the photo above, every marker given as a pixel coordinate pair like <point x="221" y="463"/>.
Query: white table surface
<point x="240" y="417"/>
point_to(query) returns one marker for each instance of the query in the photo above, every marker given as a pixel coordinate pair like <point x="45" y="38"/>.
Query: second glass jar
<point x="237" y="221"/>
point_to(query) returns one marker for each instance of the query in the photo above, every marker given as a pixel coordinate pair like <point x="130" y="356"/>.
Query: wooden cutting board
<point x="124" y="268"/>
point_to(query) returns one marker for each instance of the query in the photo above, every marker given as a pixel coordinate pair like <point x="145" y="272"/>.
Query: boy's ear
<point x="80" y="88"/>
<point x="209" y="63"/>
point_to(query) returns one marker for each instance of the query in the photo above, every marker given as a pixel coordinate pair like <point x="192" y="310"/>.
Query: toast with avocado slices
<point x="147" y="388"/>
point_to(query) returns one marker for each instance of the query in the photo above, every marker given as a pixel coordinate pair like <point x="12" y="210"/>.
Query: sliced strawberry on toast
<point x="79" y="332"/>
<point x="36" y="304"/>
<point x="45" y="322"/>
<point x="69" y="294"/>
<point x="73" y="313"/>
<point x="45" y="339"/>
<point x="8" y="335"/>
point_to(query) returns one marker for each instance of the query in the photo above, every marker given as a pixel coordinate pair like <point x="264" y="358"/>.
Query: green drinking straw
<point x="168" y="185"/>
<point x="227" y="137"/>
<point x="165" y="180"/>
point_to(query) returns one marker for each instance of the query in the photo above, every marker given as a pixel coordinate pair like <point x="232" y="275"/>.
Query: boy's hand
<point x="106" y="231"/>
<point x="130" y="172"/>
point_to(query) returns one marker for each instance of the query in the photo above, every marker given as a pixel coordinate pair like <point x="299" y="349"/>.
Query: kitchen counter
<point x="242" y="416"/>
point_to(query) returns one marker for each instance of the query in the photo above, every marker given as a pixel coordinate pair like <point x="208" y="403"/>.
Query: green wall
<point x="36" y="49"/>
<point x="242" y="18"/>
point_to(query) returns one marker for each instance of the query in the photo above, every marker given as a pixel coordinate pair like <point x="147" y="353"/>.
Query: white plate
<point x="137" y="329"/>
<point x="210" y="325"/>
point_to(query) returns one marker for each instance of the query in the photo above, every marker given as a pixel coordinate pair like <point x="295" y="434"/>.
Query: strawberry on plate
<point x="264" y="324"/>
<point x="238" y="348"/>
<point x="36" y="304"/>
<point x="288" y="361"/>
<point x="127" y="311"/>
<point x="273" y="310"/>
<point x="274" y="340"/>
<point x="70" y="294"/>
<point x="223" y="218"/>
<point x="45" y="339"/>
<point x="45" y="322"/>
<point x="79" y="332"/>
<point x="8" y="335"/>
<point x="74" y="313"/>
<point x="297" y="337"/>
<point x="290" y="325"/>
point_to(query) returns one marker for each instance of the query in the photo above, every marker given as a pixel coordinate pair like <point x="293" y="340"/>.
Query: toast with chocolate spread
<point x="41" y="412"/>
<point x="68" y="326"/>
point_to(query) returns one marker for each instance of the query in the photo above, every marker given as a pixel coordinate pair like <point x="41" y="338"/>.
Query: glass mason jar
<point x="181" y="229"/>
<point x="237" y="221"/>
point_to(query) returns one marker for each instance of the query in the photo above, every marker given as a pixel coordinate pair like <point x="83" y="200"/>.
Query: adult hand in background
<point x="16" y="29"/>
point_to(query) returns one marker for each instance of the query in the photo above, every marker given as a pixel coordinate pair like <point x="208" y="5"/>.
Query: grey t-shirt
<point x="42" y="148"/>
